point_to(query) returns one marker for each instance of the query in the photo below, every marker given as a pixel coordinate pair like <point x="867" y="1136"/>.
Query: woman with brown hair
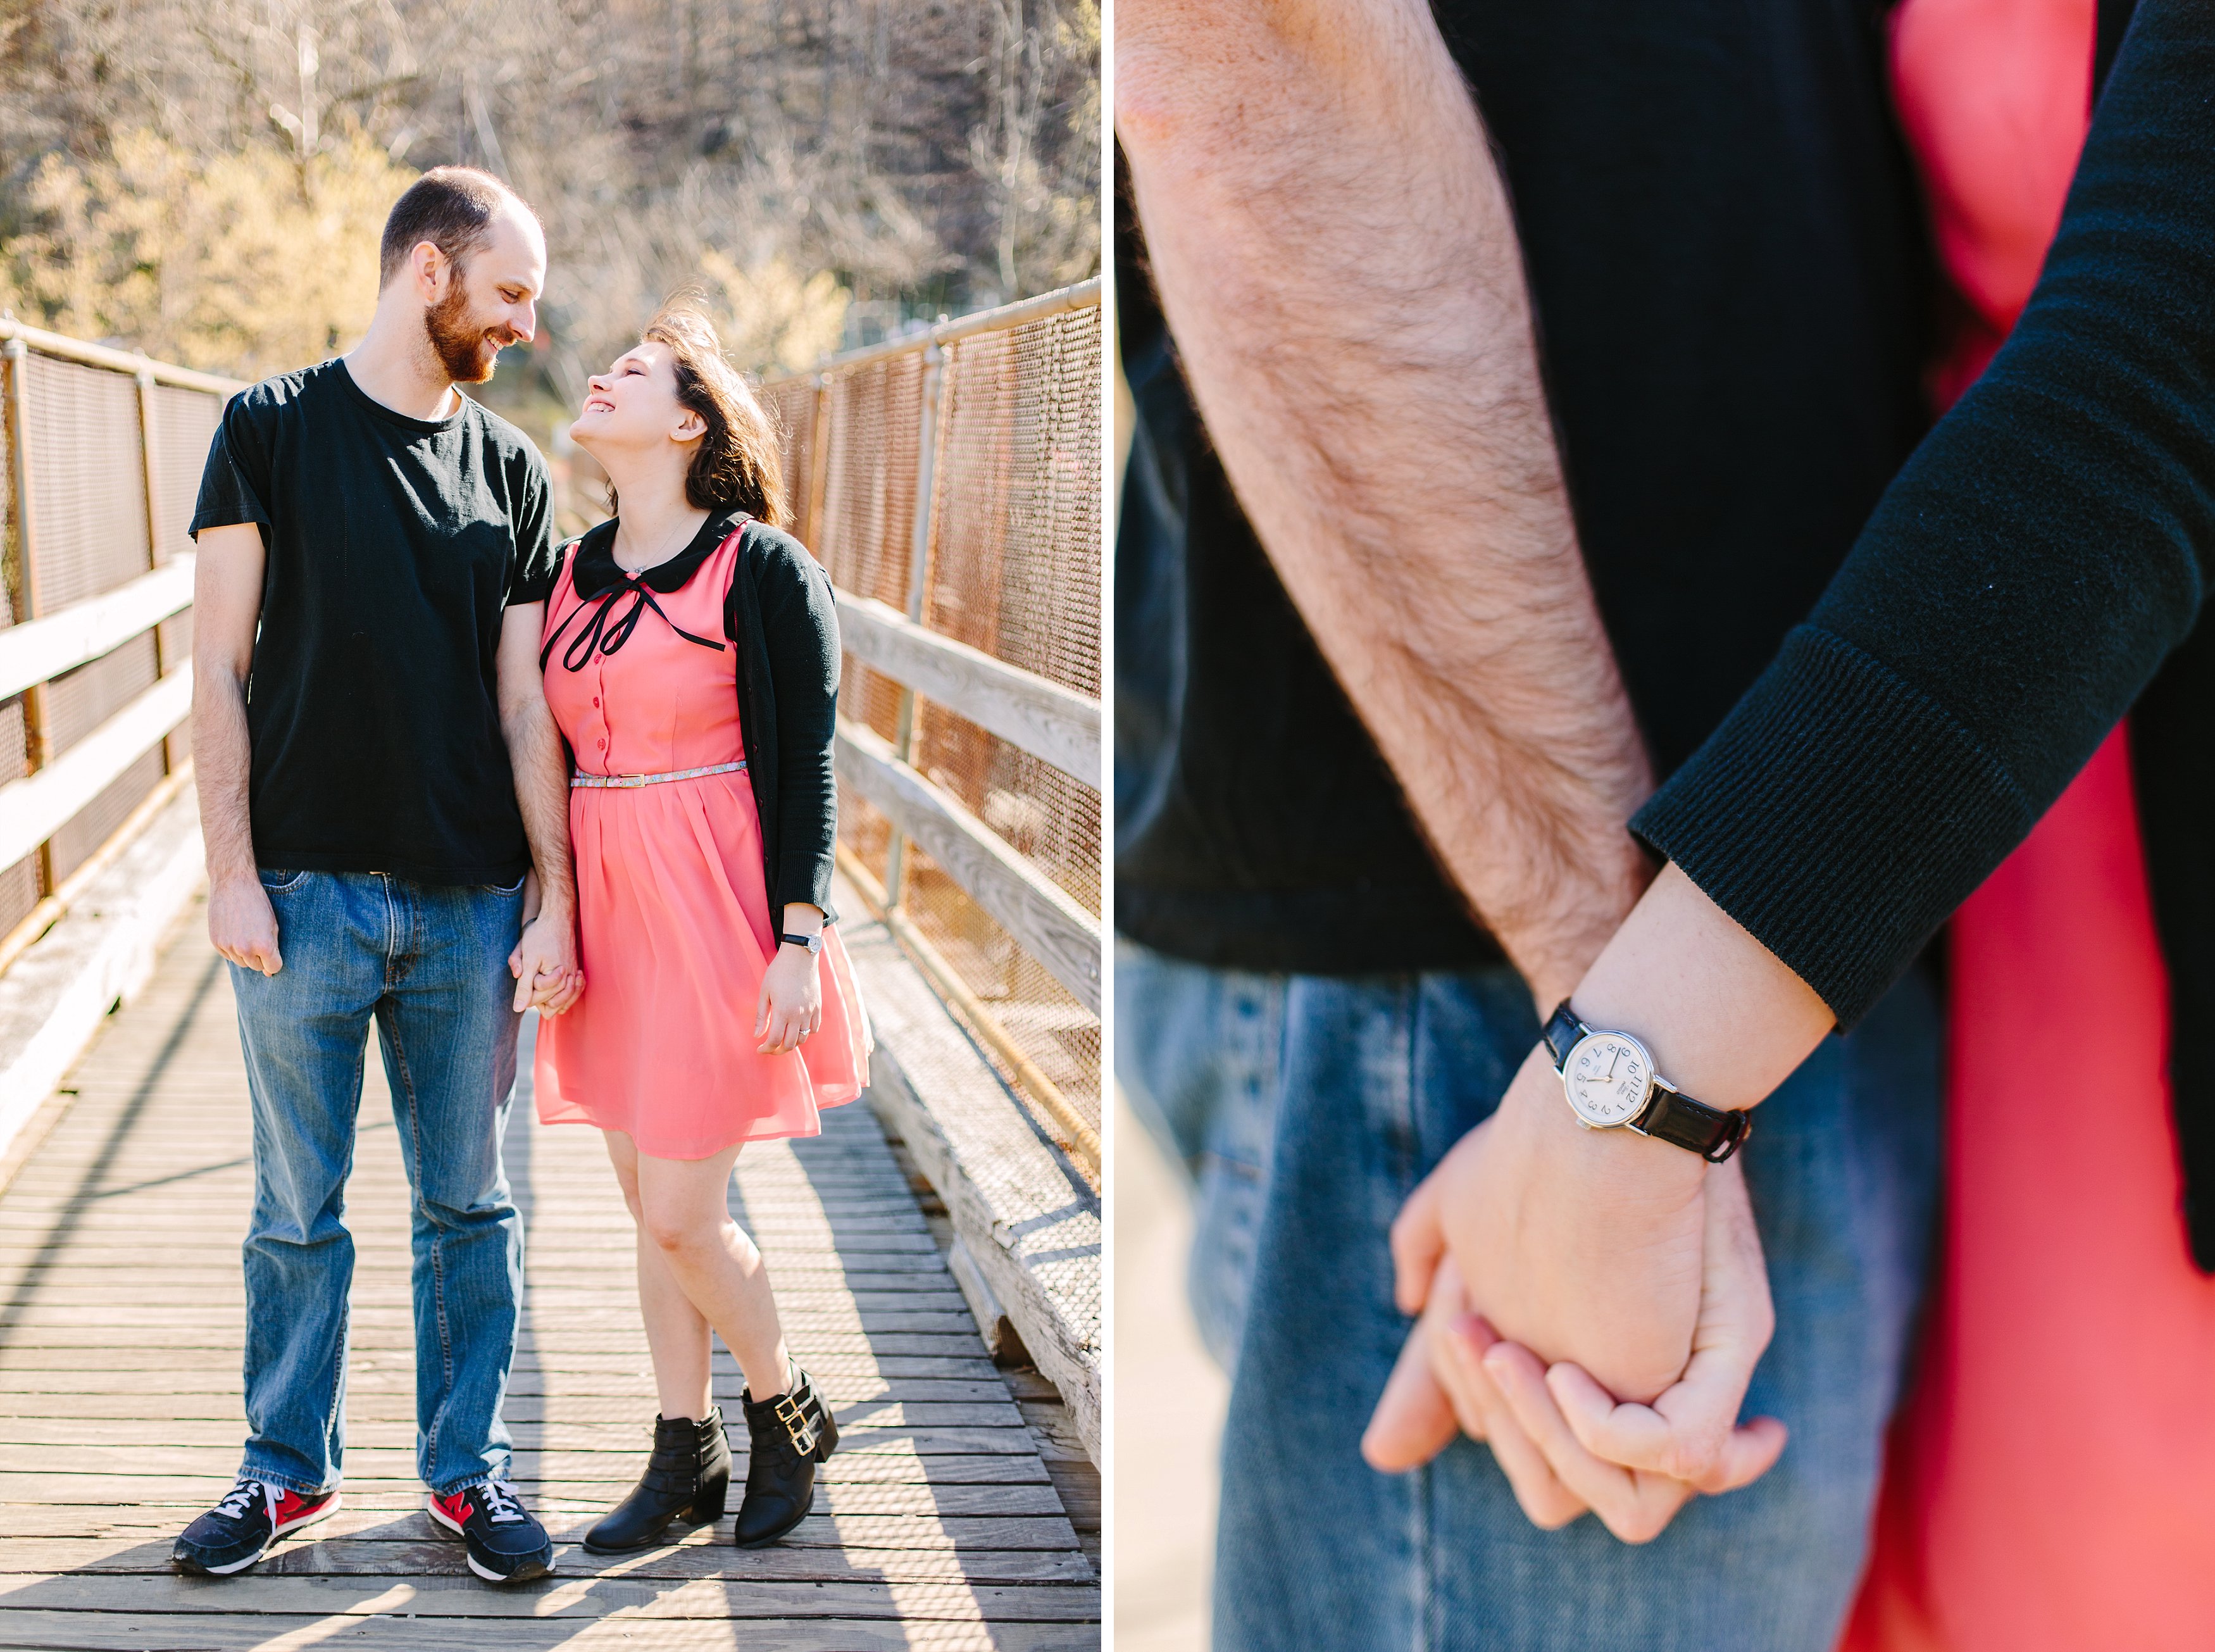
<point x="691" y="661"/>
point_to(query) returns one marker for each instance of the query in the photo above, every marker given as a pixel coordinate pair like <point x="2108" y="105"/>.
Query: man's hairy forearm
<point x="542" y="794"/>
<point x="1336" y="260"/>
<point x="223" y="763"/>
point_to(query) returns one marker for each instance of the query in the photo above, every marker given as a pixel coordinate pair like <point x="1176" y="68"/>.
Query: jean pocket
<point x="277" y="880"/>
<point x="507" y="891"/>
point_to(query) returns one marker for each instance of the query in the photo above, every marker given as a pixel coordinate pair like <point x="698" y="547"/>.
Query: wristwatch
<point x="1611" y="1084"/>
<point x="812" y="943"/>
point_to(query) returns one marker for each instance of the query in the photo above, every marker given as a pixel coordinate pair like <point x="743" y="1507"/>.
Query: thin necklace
<point x="656" y="562"/>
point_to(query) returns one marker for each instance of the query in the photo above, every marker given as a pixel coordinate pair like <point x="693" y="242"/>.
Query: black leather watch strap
<point x="1710" y="1132"/>
<point x="1562" y="1033"/>
<point x="812" y="943"/>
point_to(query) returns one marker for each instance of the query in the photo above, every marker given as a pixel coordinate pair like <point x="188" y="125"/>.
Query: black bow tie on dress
<point x="601" y="637"/>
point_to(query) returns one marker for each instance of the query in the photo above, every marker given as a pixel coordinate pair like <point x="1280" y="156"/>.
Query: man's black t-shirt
<point x="395" y="546"/>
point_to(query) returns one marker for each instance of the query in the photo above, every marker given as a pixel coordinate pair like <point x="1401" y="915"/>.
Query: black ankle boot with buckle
<point x="790" y="1432"/>
<point x="687" y="1481"/>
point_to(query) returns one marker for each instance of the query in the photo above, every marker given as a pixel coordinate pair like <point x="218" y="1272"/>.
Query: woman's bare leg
<point x="686" y="1221"/>
<point x="676" y="1333"/>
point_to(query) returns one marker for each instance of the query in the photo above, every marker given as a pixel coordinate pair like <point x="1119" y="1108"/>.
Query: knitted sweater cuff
<point x="1839" y="814"/>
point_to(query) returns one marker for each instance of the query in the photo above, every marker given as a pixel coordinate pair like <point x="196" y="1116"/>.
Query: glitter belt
<point x="654" y="779"/>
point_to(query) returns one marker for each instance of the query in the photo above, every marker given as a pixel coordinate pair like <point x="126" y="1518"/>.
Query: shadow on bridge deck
<point x="120" y="1326"/>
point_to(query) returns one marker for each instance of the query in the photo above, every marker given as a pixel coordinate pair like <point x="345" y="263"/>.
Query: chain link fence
<point x="102" y="456"/>
<point x="955" y="477"/>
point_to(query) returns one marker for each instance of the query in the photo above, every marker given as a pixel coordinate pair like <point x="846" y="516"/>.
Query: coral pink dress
<point x="2050" y="1485"/>
<point x="672" y="903"/>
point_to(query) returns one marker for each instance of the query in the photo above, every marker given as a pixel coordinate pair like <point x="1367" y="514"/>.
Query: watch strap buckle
<point x="1713" y="1132"/>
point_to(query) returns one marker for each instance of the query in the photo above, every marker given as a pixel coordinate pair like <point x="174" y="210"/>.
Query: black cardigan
<point x="780" y="616"/>
<point x="2034" y="573"/>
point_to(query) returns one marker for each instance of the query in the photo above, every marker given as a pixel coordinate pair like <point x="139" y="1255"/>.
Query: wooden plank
<point x="558" y="1367"/>
<point x="1057" y="931"/>
<point x="1056" y="724"/>
<point x="41" y="648"/>
<point x="400" y="1630"/>
<point x="913" y="1448"/>
<point x="120" y="1528"/>
<point x="382" y="1389"/>
<point x="423" y="1553"/>
<point x="189" y="1493"/>
<point x="628" y="1431"/>
<point x="573" y="1599"/>
<point x="33" y="808"/>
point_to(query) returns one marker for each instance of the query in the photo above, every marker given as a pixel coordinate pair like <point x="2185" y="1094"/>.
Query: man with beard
<point x="378" y="780"/>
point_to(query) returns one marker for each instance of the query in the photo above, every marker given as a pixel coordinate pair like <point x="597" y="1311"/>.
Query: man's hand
<point x="1580" y="1245"/>
<point x="1440" y="1386"/>
<point x="242" y="925"/>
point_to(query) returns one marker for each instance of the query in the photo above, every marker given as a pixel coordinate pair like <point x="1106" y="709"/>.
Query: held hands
<point x="548" y="975"/>
<point x="1615" y="1266"/>
<point x="1583" y="1244"/>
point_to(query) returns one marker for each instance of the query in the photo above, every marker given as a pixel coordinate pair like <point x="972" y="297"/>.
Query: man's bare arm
<point x="226" y="610"/>
<point x="549" y="943"/>
<point x="1337" y="262"/>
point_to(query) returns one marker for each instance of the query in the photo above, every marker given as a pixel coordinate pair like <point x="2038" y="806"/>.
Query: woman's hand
<point x="790" y="1005"/>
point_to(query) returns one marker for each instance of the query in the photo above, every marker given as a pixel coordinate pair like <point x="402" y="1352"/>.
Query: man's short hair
<point x="449" y="206"/>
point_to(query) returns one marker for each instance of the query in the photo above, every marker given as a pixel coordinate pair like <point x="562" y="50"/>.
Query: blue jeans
<point x="1309" y="1108"/>
<point x="429" y="964"/>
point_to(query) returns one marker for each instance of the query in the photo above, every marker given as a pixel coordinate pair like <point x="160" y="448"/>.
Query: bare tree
<point x="928" y="154"/>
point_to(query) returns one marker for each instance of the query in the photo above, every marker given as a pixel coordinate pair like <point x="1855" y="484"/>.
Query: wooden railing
<point x="44" y="645"/>
<point x="1047" y="719"/>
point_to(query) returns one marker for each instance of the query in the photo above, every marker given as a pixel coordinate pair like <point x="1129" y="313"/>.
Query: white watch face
<point x="1609" y="1079"/>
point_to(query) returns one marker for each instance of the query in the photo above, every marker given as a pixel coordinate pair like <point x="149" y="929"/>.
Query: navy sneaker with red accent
<point x="505" y="1544"/>
<point x="238" y="1531"/>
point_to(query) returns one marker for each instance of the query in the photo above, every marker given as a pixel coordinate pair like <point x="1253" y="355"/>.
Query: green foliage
<point x="251" y="261"/>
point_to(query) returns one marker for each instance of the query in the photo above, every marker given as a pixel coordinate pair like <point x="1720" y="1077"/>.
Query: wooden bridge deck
<point x="120" y="1327"/>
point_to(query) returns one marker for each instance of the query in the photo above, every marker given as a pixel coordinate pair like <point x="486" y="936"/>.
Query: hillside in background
<point x="205" y="180"/>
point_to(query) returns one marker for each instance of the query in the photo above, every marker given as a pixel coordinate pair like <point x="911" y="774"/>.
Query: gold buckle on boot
<point x="797" y="1428"/>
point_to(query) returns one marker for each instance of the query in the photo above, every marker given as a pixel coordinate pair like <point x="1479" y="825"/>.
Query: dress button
<point x="596" y="699"/>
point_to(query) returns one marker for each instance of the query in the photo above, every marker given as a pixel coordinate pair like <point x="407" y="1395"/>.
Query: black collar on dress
<point x="597" y="570"/>
<point x="600" y="583"/>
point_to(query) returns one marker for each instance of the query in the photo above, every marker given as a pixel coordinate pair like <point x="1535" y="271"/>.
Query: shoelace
<point x="240" y="1497"/>
<point x="502" y="1506"/>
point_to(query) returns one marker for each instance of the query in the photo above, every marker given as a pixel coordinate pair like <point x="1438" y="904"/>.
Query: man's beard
<point x="459" y="346"/>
